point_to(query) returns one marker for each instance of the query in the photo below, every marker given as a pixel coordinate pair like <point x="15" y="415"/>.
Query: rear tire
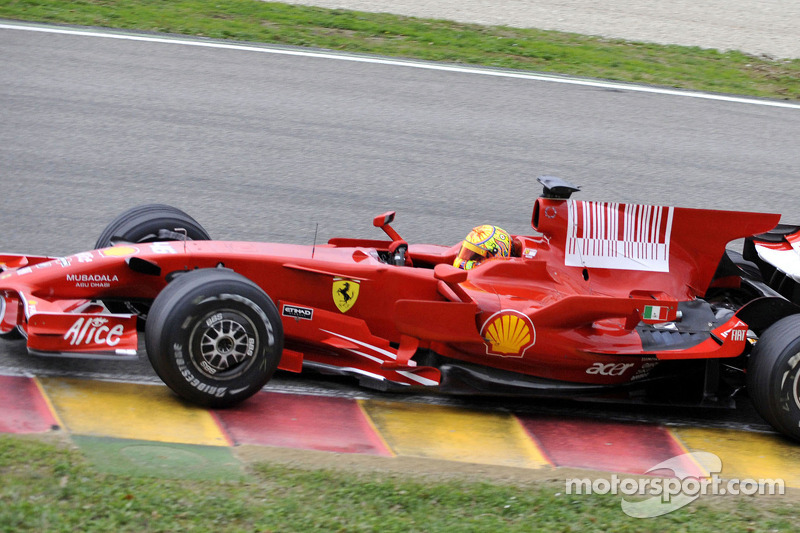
<point x="773" y="376"/>
<point x="214" y="337"/>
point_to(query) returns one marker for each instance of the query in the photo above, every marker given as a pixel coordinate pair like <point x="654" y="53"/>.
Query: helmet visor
<point x="470" y="252"/>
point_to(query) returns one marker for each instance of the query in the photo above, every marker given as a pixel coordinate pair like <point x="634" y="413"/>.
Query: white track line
<point x="266" y="49"/>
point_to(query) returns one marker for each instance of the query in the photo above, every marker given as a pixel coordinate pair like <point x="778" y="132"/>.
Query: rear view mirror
<point x="449" y="274"/>
<point x="384" y="219"/>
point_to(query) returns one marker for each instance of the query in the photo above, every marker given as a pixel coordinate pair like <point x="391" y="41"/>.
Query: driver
<point x="483" y="242"/>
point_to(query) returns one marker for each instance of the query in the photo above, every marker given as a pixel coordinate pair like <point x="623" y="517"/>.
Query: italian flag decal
<point x="655" y="312"/>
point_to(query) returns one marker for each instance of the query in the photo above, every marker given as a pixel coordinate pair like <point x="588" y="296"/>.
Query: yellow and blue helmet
<point x="483" y="242"/>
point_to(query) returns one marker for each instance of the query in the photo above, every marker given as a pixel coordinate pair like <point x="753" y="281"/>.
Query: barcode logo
<point x="618" y="236"/>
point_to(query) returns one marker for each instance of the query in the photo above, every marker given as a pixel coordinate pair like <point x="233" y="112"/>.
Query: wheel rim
<point x="796" y="389"/>
<point x="223" y="344"/>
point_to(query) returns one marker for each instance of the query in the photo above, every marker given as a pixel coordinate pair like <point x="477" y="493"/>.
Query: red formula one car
<point x="605" y="299"/>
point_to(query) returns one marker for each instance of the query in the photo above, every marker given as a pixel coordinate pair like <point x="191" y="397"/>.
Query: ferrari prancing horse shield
<point x="345" y="293"/>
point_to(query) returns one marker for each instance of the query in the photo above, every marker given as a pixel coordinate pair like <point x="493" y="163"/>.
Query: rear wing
<point x="656" y="248"/>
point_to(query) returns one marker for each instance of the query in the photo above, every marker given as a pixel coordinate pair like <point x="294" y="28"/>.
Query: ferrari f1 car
<point x="603" y="299"/>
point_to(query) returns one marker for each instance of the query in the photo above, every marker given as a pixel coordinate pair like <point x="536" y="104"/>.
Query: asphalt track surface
<point x="266" y="146"/>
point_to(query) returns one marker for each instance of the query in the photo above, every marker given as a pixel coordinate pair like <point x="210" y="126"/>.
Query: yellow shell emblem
<point x="119" y="251"/>
<point x="508" y="334"/>
<point x="345" y="293"/>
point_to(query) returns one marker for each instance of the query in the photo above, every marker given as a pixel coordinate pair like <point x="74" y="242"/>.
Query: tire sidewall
<point x="773" y="376"/>
<point x="181" y="319"/>
<point x="785" y="376"/>
<point x="142" y="224"/>
<point x="138" y="223"/>
<point x="147" y="231"/>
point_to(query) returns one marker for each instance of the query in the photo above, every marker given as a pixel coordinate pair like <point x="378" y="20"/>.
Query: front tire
<point x="142" y="224"/>
<point x="16" y="332"/>
<point x="214" y="337"/>
<point x="773" y="376"/>
<point x="145" y="223"/>
<point x="13" y="334"/>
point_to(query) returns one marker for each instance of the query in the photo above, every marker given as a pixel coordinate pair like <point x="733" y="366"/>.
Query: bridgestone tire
<point x="214" y="337"/>
<point x="773" y="376"/>
<point x="13" y="334"/>
<point x="142" y="224"/>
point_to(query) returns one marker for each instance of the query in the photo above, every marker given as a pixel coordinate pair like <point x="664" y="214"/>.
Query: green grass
<point x="436" y="40"/>
<point x="48" y="487"/>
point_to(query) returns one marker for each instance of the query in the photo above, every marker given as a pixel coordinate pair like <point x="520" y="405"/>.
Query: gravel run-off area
<point x="758" y="27"/>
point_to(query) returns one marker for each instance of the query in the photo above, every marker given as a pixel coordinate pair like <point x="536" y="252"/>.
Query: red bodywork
<point x="569" y="306"/>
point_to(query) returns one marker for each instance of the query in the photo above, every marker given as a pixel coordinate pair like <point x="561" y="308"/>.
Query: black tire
<point x="773" y="376"/>
<point x="12" y="334"/>
<point x="143" y="224"/>
<point x="214" y="337"/>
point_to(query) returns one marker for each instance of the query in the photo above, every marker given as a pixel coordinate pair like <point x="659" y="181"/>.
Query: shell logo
<point x="508" y="334"/>
<point x="119" y="251"/>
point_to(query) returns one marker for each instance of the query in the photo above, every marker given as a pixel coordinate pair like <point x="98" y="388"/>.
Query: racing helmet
<point x="483" y="242"/>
